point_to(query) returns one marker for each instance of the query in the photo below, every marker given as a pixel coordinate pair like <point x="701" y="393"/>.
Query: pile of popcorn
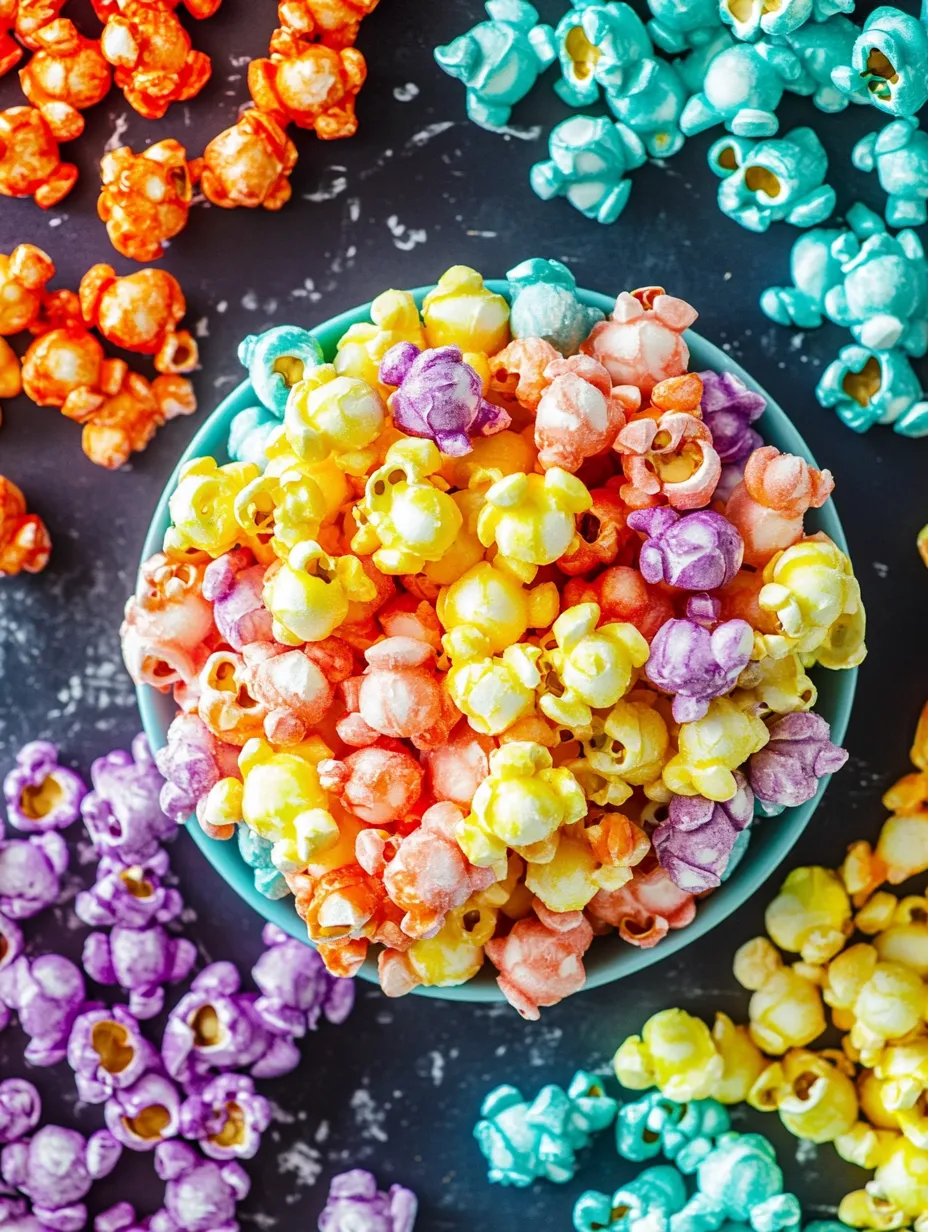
<point x="495" y="632"/>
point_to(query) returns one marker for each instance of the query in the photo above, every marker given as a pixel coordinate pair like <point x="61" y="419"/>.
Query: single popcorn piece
<point x="154" y="60"/>
<point x="675" y="1053"/>
<point x="248" y="165"/>
<point x="145" y="198"/>
<point x="25" y="543"/>
<point x="67" y="75"/>
<point x="140" y="313"/>
<point x="30" y="163"/>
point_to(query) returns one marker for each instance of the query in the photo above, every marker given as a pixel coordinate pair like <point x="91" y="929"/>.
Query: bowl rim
<point x="713" y="910"/>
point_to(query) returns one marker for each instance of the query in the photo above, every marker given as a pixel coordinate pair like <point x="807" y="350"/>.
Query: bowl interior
<point x="608" y="958"/>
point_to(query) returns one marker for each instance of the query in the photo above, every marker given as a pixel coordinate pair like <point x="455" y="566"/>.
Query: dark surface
<point x="398" y="1087"/>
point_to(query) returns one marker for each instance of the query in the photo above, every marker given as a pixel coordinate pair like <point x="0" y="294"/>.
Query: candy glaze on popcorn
<point x="422" y="663"/>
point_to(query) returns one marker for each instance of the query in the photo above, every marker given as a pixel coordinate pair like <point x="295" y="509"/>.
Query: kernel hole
<point x="470" y="920"/>
<point x="40" y="800"/>
<point x="863" y="386"/>
<point x="379" y="488"/>
<point x="582" y="52"/>
<point x="589" y="527"/>
<point x="109" y="1040"/>
<point x="881" y="66"/>
<point x="233" y="1127"/>
<point x="290" y="368"/>
<point x="396" y="477"/>
<point x="135" y="883"/>
<point x="803" y="1085"/>
<point x="207" y="1029"/>
<point x="761" y="179"/>
<point x="728" y="159"/>
<point x="150" y="1123"/>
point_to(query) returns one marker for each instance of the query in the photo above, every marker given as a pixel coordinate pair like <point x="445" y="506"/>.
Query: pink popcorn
<point x="458" y="767"/>
<point x="379" y="784"/>
<point x="166" y="623"/>
<point x="541" y="960"/>
<point x="646" y="908"/>
<point x="517" y="372"/>
<point x="767" y="507"/>
<point x="580" y="412"/>
<point x="642" y="342"/>
<point x="295" y="687"/>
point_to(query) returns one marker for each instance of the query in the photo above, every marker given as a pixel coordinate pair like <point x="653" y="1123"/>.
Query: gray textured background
<point x="398" y="1087"/>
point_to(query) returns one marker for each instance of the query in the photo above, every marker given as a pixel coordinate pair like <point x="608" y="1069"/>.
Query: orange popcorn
<point x="30" y="163"/>
<point x="11" y="377"/>
<point x="61" y="361"/>
<point x="380" y="784"/>
<point x="332" y="22"/>
<point x="517" y="374"/>
<point x="623" y="595"/>
<point x="29" y="17"/>
<point x="23" y="275"/>
<point x="646" y="908"/>
<point x="602" y="534"/>
<point x="24" y="540"/>
<point x="145" y="197"/>
<point x="541" y="960"/>
<point x="105" y="9"/>
<point x="248" y="164"/>
<point x="153" y="57"/>
<point x="308" y="84"/>
<point x="767" y="507"/>
<point x="67" y="74"/>
<point x="139" y="313"/>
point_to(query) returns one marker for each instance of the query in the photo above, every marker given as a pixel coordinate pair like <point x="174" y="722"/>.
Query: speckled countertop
<point x="397" y="1088"/>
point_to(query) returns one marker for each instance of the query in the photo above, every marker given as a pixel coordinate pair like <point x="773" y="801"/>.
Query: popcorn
<point x="248" y="164"/>
<point x="139" y="313"/>
<point x="40" y="794"/>
<point x="55" y="1169"/>
<point x="153" y="57"/>
<point x="67" y="74"/>
<point x="145" y="198"/>
<point x="144" y="1115"/>
<point x="30" y="165"/>
<point x="354" y="1202"/>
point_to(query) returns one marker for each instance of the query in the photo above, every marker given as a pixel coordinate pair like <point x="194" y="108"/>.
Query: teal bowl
<point x="609" y="958"/>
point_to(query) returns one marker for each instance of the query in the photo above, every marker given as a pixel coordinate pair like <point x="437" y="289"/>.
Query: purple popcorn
<point x="144" y="1115"/>
<point x="141" y="961"/>
<point x="133" y="895"/>
<point x="200" y="1196"/>
<point x="192" y="762"/>
<point x="120" y="1218"/>
<point x="233" y="584"/>
<point x="20" y="1109"/>
<point x="698" y="551"/>
<point x="55" y="1169"/>
<point x="695" y="843"/>
<point x="107" y="1052"/>
<point x="30" y="873"/>
<point x="47" y="995"/>
<point x="356" y="1205"/>
<point x="15" y="1216"/>
<point x="728" y="410"/>
<point x="696" y="665"/>
<point x="732" y="475"/>
<point x="227" y="1117"/>
<point x="787" y="770"/>
<point x="122" y="813"/>
<point x="439" y="397"/>
<point x="40" y="794"/>
<point x="216" y="1027"/>
<point x="296" y="987"/>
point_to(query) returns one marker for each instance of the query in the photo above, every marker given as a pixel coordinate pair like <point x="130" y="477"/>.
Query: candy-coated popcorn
<point x="404" y="518"/>
<point x="155" y="62"/>
<point x="815" y="268"/>
<point x="866" y="387"/>
<point x="139" y="313"/>
<point x="532" y="519"/>
<point x="135" y="895"/>
<point x="742" y="89"/>
<point x="598" y="45"/>
<point x="587" y="860"/>
<point x="522" y="804"/>
<point x="813" y="1093"/>
<point x="590" y="158"/>
<point x="378" y="784"/>
<point x="711" y="748"/>
<point x="524" y="1141"/>
<point x="361" y="349"/>
<point x="20" y="1109"/>
<point x="295" y="688"/>
<point x="493" y="692"/>
<point x="145" y="198"/>
<point x="742" y="1061"/>
<point x="767" y="507"/>
<point x="878" y="1000"/>
<point x="902" y="1179"/>
<point x="696" y="665"/>
<point x="698" y="551"/>
<point x="728" y="410"/>
<point x="232" y="583"/>
<point x="591" y="667"/>
<point x="678" y="25"/>
<point x="811" y="916"/>
<point x="626" y="749"/>
<point x="355" y="1204"/>
<point x="497" y="605"/>
<point x="786" y="1009"/>
<point x="889" y="63"/>
<point x="199" y="1195"/>
<point x="517" y="378"/>
<point x="438" y="396"/>
<point x="499" y="60"/>
<point x="601" y="536"/>
<point x="739" y="1179"/>
<point x="63" y="360"/>
<point x="822" y="46"/>
<point x="47" y="995"/>
<point x="23" y="278"/>
<point x="67" y="74"/>
<point x="226" y="1118"/>
<point x="695" y="843"/>
<point x="541" y="960"/>
<point x="799" y="753"/>
<point x="579" y="413"/>
<point x="338" y="415"/>
<point x="811" y="591"/>
<point x="623" y="595"/>
<point x="123" y="417"/>
<point x="257" y="854"/>
<point x="296" y="988"/>
<point x="899" y="155"/>
<point x="141" y="961"/>
<point x="675" y="1053"/>
<point x="754" y="20"/>
<point x="399" y="696"/>
<point x="308" y="596"/>
<point x="30" y="163"/>
<point x="107" y="1052"/>
<point x="249" y="432"/>
<point x="545" y="304"/>
<point x="461" y="311"/>
<point x="278" y="360"/>
<point x="667" y="450"/>
<point x="200" y="9"/>
<point x="166" y="623"/>
<point x="56" y="1168"/>
<point x="145" y="1114"/>
<point x="41" y="794"/>
<point x="656" y="1195"/>
<point x="645" y="909"/>
<point x="648" y="95"/>
<point x="655" y="1125"/>
<point x="248" y="164"/>
<point x="903" y="938"/>
<point x="308" y="84"/>
<point x="30" y="873"/>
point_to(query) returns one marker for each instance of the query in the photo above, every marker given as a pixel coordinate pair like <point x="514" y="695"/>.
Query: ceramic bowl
<point x="608" y="958"/>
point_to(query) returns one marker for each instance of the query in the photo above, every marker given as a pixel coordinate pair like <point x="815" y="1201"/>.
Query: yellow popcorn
<point x="779" y="686"/>
<point x="812" y="1092"/>
<point x="494" y="692"/>
<point x="532" y="519"/>
<point x="786" y="1008"/>
<point x="495" y="604"/>
<point x="711" y="748"/>
<point x="308" y="595"/>
<point x="867" y="1148"/>
<point x="492" y="458"/>
<point x="742" y="1060"/>
<point x="460" y="311"/>
<point x="331" y="414"/>
<point x="904" y="939"/>
<point x="394" y="318"/>
<point x="881" y="1001"/>
<point x="467" y="550"/>
<point x="902" y="1179"/>
<point x="630" y="744"/>
<point x="283" y="802"/>
<point x="279" y="510"/>
<point x="675" y="1053"/>
<point x="902" y="1072"/>
<point x="331" y="482"/>
<point x="811" y="916"/>
<point x="202" y="507"/>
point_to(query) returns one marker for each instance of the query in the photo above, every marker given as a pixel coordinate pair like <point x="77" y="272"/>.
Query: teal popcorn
<point x="899" y="156"/>
<point x="679" y="25"/>
<point x="248" y="434"/>
<point x="889" y="62"/>
<point x="738" y="1179"/>
<point x="655" y="1125"/>
<point x="883" y="296"/>
<point x="544" y="304"/>
<point x="650" y="102"/>
<point x="866" y="387"/>
<point x="590" y="158"/>
<point x="646" y="1204"/>
<point x="753" y="19"/>
<point x="742" y="90"/>
<point x="499" y="60"/>
<point x="598" y="45"/>
<point x="693" y="67"/>
<point x="778" y="180"/>
<point x="523" y="1141"/>
<point x="256" y="852"/>
<point x="276" y="360"/>
<point x="821" y="46"/>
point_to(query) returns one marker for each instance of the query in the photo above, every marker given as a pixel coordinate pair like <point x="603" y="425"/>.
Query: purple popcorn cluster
<point x="695" y="843"/>
<point x="356" y="1205"/>
<point x="695" y="551"/>
<point x="194" y="1086"/>
<point x="787" y="770"/>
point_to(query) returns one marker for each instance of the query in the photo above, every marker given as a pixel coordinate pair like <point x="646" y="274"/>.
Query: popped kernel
<point x="811" y="916"/>
<point x="155" y="62"/>
<point x="532" y="519"/>
<point x="813" y="1093"/>
<point x="67" y="74"/>
<point x="786" y="1008"/>
<point x="460" y="311"/>
<point x="711" y="748"/>
<point x="675" y="1052"/>
<point x="248" y="165"/>
<point x="24" y="275"/>
<point x="24" y="541"/>
<point x="145" y="198"/>
<point x="140" y="313"/>
<point x="360" y="350"/>
<point x="341" y="416"/>
<point x="30" y="163"/>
